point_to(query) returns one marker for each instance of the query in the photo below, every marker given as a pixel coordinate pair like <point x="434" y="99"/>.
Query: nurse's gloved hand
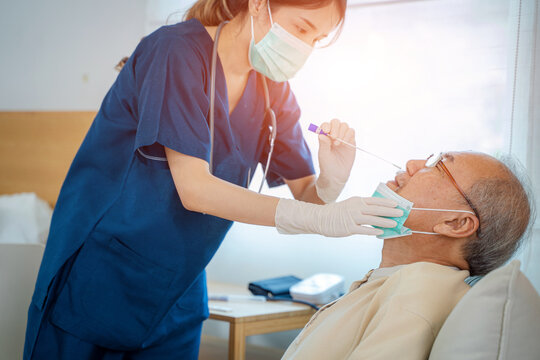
<point x="335" y="159"/>
<point x="339" y="219"/>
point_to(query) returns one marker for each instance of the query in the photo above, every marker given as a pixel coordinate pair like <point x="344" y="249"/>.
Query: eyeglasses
<point x="433" y="161"/>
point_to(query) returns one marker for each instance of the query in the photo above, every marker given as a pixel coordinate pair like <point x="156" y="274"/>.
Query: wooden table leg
<point x="237" y="342"/>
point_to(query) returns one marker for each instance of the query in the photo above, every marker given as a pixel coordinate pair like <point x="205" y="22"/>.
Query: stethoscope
<point x="268" y="110"/>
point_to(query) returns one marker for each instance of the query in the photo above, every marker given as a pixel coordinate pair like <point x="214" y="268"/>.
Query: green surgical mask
<point x="399" y="230"/>
<point x="279" y="55"/>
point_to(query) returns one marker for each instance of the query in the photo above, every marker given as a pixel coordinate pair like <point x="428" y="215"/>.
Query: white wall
<point x="60" y="54"/>
<point x="160" y="12"/>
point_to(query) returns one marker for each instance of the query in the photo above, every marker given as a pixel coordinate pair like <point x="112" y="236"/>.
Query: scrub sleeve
<point x="172" y="105"/>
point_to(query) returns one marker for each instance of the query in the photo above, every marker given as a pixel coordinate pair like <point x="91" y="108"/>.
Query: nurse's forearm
<point x="217" y="197"/>
<point x="304" y="189"/>
<point x="201" y="192"/>
<point x="310" y="195"/>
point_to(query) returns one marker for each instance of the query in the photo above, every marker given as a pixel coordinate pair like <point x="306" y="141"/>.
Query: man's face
<point x="432" y="187"/>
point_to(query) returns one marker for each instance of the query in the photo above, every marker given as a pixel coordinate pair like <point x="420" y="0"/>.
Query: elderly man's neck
<point x="422" y="248"/>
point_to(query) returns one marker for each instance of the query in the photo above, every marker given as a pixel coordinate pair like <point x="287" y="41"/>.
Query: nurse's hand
<point x="339" y="219"/>
<point x="335" y="159"/>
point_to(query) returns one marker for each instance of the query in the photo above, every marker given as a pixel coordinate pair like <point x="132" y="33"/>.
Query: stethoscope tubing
<point x="213" y="93"/>
<point x="268" y="109"/>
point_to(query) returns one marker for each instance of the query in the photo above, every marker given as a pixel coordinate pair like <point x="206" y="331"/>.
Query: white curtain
<point x="524" y="112"/>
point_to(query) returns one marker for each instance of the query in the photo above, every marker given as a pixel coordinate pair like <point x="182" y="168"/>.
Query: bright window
<point x="413" y="78"/>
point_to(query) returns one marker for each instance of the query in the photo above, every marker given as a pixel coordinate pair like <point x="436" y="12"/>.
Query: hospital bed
<point x="499" y="318"/>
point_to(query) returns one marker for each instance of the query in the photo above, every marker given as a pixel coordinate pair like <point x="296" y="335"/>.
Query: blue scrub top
<point x="142" y="248"/>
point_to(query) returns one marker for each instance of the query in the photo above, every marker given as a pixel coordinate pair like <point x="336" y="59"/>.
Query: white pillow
<point x="24" y="218"/>
<point x="498" y="318"/>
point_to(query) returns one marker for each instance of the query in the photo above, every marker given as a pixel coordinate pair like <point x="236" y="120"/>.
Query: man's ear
<point x="461" y="225"/>
<point x="256" y="7"/>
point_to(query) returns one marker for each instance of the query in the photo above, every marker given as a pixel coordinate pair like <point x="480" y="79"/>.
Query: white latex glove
<point x="335" y="159"/>
<point x="339" y="219"/>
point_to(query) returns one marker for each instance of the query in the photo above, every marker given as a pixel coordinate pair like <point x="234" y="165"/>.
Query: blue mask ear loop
<point x="427" y="209"/>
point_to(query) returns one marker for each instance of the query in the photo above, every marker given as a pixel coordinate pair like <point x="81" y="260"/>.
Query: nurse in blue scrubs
<point x="141" y="211"/>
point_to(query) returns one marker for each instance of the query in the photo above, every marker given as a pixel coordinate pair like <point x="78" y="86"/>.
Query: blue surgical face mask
<point x="399" y="230"/>
<point x="279" y="55"/>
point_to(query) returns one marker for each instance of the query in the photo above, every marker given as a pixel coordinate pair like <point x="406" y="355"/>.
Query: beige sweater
<point x="389" y="317"/>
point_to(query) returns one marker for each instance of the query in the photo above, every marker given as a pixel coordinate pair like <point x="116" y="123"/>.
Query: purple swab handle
<point x="313" y="127"/>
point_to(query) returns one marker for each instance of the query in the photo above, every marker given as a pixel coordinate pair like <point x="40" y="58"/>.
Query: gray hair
<point x="506" y="208"/>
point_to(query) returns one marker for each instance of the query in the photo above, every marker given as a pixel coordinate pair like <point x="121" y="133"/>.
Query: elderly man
<point x="396" y="311"/>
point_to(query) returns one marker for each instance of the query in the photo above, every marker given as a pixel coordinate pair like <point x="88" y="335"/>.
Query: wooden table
<point x="252" y="317"/>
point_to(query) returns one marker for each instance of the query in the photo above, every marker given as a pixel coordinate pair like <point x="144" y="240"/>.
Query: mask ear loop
<point x="270" y="13"/>
<point x="461" y="211"/>
<point x="252" y="31"/>
<point x="271" y="22"/>
<point x="427" y="209"/>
